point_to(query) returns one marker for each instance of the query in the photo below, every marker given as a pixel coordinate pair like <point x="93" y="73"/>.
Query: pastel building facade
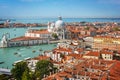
<point x="100" y="42"/>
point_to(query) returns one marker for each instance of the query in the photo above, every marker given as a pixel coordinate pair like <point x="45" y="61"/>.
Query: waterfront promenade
<point x="59" y="41"/>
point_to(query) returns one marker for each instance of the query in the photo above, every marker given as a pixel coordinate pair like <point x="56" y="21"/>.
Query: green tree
<point x="62" y="55"/>
<point x="87" y="28"/>
<point x="32" y="76"/>
<point x="19" y="69"/>
<point x="43" y="67"/>
<point x="26" y="75"/>
<point x="54" y="35"/>
<point x="4" y="77"/>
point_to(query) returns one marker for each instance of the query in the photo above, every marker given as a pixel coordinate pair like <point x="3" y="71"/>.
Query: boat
<point x="33" y="51"/>
<point x="14" y="29"/>
<point x="15" y="53"/>
<point x="2" y="62"/>
<point x="40" y="50"/>
<point x="28" y="47"/>
<point x="18" y="49"/>
<point x="19" y="55"/>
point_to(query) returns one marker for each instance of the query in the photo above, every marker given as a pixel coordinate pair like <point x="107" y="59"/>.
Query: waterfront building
<point x="22" y="41"/>
<point x="26" y="41"/>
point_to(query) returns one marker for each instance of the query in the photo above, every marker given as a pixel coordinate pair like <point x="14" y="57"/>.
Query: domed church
<point x="57" y="27"/>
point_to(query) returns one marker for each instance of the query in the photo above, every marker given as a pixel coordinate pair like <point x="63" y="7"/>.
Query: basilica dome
<point x="59" y="23"/>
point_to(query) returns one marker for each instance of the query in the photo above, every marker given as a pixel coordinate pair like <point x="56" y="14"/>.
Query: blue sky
<point x="54" y="8"/>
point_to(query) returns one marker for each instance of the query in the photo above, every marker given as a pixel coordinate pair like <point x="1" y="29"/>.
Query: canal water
<point x="10" y="55"/>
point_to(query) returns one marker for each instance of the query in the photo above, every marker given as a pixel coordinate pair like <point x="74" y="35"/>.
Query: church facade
<point x="58" y="28"/>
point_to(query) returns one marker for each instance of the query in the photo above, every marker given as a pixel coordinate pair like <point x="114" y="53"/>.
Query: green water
<point x="8" y="56"/>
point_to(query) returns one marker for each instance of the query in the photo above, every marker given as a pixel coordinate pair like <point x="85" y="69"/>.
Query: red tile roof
<point x="77" y="56"/>
<point x="45" y="31"/>
<point x="93" y="53"/>
<point x="62" y="50"/>
<point x="24" y="38"/>
<point x="106" y="51"/>
<point x="59" y="76"/>
<point x="115" y="71"/>
<point x="41" y="58"/>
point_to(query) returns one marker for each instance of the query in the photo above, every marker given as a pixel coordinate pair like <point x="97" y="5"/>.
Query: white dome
<point x="59" y="24"/>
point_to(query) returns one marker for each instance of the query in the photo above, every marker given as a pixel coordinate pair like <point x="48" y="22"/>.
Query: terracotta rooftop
<point x="115" y="71"/>
<point x="105" y="51"/>
<point x="62" y="50"/>
<point x="77" y="56"/>
<point x="93" y="53"/>
<point x="58" y="76"/>
<point x="24" y="38"/>
<point x="79" y="50"/>
<point x="41" y="58"/>
<point x="91" y="68"/>
<point x="44" y="31"/>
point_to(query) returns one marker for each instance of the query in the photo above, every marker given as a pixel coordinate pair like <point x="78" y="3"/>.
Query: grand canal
<point x="9" y="56"/>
